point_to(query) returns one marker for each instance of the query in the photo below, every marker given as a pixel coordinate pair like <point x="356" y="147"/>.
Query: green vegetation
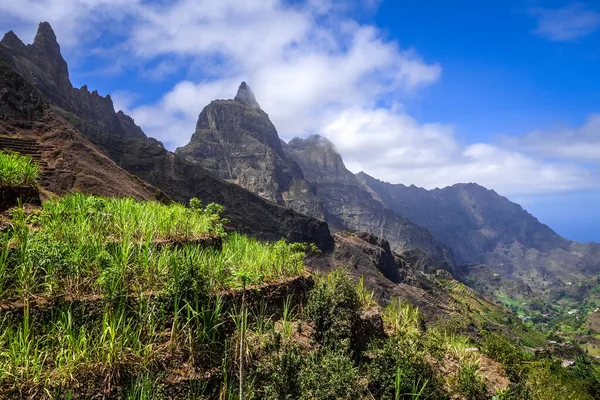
<point x="17" y="170"/>
<point x="568" y="315"/>
<point x="86" y="245"/>
<point x="334" y="306"/>
<point x="141" y="300"/>
<point x="158" y="269"/>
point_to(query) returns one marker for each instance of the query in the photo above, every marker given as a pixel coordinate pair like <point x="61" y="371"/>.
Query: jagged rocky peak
<point x="245" y="95"/>
<point x="236" y="140"/>
<point x="12" y="41"/>
<point x="319" y="160"/>
<point x="46" y="45"/>
<point x="45" y="52"/>
<point x="45" y="35"/>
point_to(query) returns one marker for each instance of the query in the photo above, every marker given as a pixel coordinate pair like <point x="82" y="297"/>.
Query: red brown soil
<point x="72" y="163"/>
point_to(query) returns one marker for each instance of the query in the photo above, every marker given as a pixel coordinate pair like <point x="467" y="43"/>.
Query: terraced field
<point x="94" y="288"/>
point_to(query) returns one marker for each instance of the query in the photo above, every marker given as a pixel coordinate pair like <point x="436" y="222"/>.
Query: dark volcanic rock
<point x="69" y="162"/>
<point x="350" y="206"/>
<point x="43" y="65"/>
<point x="116" y="134"/>
<point x="235" y="140"/>
<point x="18" y="99"/>
<point x="482" y="227"/>
<point x="374" y="250"/>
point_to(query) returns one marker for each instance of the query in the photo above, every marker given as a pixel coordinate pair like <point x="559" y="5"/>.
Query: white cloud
<point x="575" y="144"/>
<point x="72" y="20"/>
<point x="304" y="66"/>
<point x="314" y="70"/>
<point x="392" y="146"/>
<point x="566" y="23"/>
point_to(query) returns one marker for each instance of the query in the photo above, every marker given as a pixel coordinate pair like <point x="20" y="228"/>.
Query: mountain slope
<point x="115" y="134"/>
<point x="235" y="140"/>
<point x="69" y="161"/>
<point x="351" y="207"/>
<point x="482" y="227"/>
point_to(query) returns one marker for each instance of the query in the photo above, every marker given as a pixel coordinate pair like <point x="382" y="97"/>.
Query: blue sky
<point x="505" y="94"/>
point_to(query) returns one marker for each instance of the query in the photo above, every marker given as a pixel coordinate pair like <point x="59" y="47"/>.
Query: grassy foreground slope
<point x="17" y="170"/>
<point x="115" y="298"/>
<point x="87" y="245"/>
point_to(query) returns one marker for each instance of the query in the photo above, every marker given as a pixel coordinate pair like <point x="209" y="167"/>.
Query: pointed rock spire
<point x="46" y="39"/>
<point x="246" y="96"/>
<point x="12" y="41"/>
<point x="45" y="52"/>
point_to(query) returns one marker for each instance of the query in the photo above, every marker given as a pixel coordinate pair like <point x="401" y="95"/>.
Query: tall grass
<point x="17" y="170"/>
<point x="366" y="296"/>
<point x="401" y="317"/>
<point x="82" y="218"/>
<point x="85" y="245"/>
<point x="92" y="245"/>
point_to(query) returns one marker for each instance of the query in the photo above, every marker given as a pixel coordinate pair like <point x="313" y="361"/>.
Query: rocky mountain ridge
<point x="68" y="161"/>
<point x="351" y="207"/>
<point x="482" y="227"/>
<point x="236" y="140"/>
<point x="116" y="135"/>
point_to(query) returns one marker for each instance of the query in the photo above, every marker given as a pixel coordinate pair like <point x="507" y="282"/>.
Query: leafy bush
<point x="330" y="375"/>
<point x="17" y="170"/>
<point x="469" y="383"/>
<point x="585" y="371"/>
<point x="278" y="375"/>
<point x="334" y="307"/>
<point x="396" y="356"/>
<point x="498" y="347"/>
<point x="188" y="281"/>
<point x="548" y="380"/>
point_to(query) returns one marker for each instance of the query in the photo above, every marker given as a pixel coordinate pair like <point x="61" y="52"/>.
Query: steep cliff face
<point x="68" y="161"/>
<point x="42" y="64"/>
<point x="235" y="140"/>
<point x="482" y="227"/>
<point x="350" y="206"/>
<point x="117" y="136"/>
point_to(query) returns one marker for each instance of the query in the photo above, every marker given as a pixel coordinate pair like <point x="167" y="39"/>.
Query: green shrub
<point x="17" y="170"/>
<point x="188" y="281"/>
<point x="398" y="355"/>
<point x="548" y="380"/>
<point x="278" y="375"/>
<point x="586" y="373"/>
<point x="330" y="375"/>
<point x="334" y="307"/>
<point x="469" y="383"/>
<point x="498" y="347"/>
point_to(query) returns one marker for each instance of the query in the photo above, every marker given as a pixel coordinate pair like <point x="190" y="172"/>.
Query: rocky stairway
<point x="27" y="147"/>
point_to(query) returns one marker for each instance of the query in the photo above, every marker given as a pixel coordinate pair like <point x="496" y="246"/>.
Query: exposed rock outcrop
<point x="235" y="140"/>
<point x="70" y="162"/>
<point x="350" y="206"/>
<point x="374" y="252"/>
<point x="42" y="64"/>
